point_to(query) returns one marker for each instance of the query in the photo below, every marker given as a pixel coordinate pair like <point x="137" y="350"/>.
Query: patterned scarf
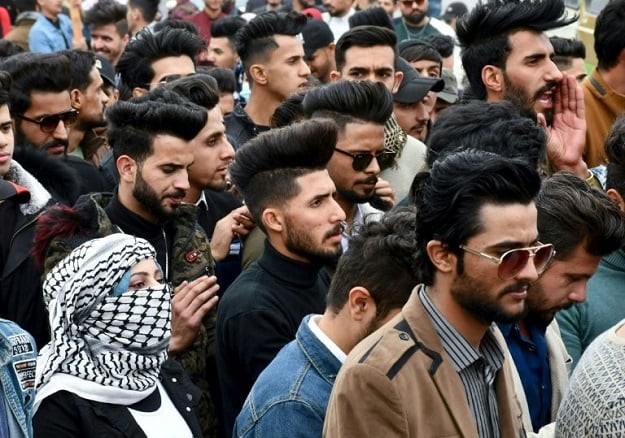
<point x="104" y="347"/>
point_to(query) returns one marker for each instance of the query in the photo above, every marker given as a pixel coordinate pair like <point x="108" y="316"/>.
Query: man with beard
<point x="436" y="368"/>
<point x="107" y="24"/>
<point x="507" y="55"/>
<point x="584" y="225"/>
<point x="415" y="23"/>
<point x="337" y="16"/>
<point x="283" y="178"/>
<point x="89" y="100"/>
<point x="151" y="144"/>
<point x="42" y="112"/>
<point x="360" y="110"/>
<point x="205" y="18"/>
<point x="373" y="281"/>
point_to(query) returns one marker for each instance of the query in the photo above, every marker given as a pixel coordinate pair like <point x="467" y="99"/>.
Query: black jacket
<point x="65" y="414"/>
<point x="240" y="128"/>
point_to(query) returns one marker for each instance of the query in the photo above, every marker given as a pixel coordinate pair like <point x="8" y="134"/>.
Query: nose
<point x="529" y="272"/>
<point x="422" y="113"/>
<point x="304" y="69"/>
<point x="553" y="73"/>
<point x="373" y="167"/>
<point x="182" y="181"/>
<point x="210" y="56"/>
<point x="104" y="98"/>
<point x="578" y="293"/>
<point x="338" y="215"/>
<point x="228" y="153"/>
<point x="60" y="132"/>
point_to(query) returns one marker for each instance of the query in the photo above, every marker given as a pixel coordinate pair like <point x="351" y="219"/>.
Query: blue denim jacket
<point x="290" y="396"/>
<point x="18" y="359"/>
<point x="44" y="37"/>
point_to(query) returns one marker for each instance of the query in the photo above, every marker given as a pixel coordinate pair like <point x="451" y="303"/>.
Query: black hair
<point x="374" y="16"/>
<point x="226" y="82"/>
<point x="201" y="89"/>
<point x="449" y="198"/>
<point x="350" y="102"/>
<point x="444" y="44"/>
<point x="483" y="32"/>
<point x="276" y="158"/>
<point x="363" y="36"/>
<point x="81" y="63"/>
<point x="615" y="151"/>
<point x="609" y="41"/>
<point x="255" y="41"/>
<point x="497" y="127"/>
<point x="105" y="12"/>
<point x="5" y="86"/>
<point x="134" y="124"/>
<point x="176" y="24"/>
<point x="35" y="72"/>
<point x="148" y="8"/>
<point x="380" y="258"/>
<point x="227" y="27"/>
<point x="290" y="110"/>
<point x="416" y="50"/>
<point x="572" y="213"/>
<point x="8" y="48"/>
<point x="135" y="64"/>
<point x="27" y="5"/>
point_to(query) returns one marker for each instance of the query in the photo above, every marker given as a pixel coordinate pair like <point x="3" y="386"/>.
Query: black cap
<point x="414" y="88"/>
<point x="317" y="34"/>
<point x="454" y="10"/>
<point x="106" y="70"/>
<point x="11" y="190"/>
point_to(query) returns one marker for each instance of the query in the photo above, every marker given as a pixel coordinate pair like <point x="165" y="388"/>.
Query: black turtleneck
<point x="159" y="234"/>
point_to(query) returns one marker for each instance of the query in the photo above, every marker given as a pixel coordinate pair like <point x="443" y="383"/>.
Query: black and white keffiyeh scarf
<point x="104" y="348"/>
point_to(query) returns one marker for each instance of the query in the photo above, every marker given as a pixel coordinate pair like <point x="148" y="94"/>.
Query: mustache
<point x="177" y="194"/>
<point x="547" y="87"/>
<point x="54" y="143"/>
<point x="369" y="180"/>
<point x="337" y="229"/>
<point x="517" y="286"/>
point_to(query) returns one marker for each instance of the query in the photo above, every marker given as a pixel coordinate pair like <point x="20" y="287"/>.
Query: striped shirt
<point x="476" y="369"/>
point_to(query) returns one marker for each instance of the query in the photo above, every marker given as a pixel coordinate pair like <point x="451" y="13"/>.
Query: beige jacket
<point x="399" y="382"/>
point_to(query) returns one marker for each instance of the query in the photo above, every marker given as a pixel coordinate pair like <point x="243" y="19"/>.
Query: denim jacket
<point x="290" y="397"/>
<point x="44" y="37"/>
<point x="18" y="359"/>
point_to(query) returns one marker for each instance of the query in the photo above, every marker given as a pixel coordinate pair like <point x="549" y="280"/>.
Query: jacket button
<point x="404" y="336"/>
<point x="189" y="396"/>
<point x="173" y="379"/>
<point x="188" y="409"/>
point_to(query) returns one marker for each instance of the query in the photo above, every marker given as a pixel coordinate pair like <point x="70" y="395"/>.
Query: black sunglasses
<point x="49" y="123"/>
<point x="362" y="160"/>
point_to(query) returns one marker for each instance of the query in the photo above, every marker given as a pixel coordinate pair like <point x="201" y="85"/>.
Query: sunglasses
<point x="409" y="3"/>
<point x="512" y="262"/>
<point x="362" y="160"/>
<point x="49" y="123"/>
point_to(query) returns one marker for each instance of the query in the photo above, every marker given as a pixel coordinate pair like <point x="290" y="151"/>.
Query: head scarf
<point x="104" y="347"/>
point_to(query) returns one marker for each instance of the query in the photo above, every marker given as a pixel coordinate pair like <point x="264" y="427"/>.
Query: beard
<point x="359" y="197"/>
<point x="299" y="241"/>
<point x="520" y="98"/>
<point x="415" y="18"/>
<point x="147" y="197"/>
<point x="472" y="295"/>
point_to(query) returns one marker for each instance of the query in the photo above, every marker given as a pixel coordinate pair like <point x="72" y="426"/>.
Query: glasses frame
<point x="59" y="116"/>
<point x="371" y="156"/>
<point x="499" y="260"/>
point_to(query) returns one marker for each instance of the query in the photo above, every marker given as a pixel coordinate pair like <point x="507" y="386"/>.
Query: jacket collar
<point x="301" y="274"/>
<point x="326" y="364"/>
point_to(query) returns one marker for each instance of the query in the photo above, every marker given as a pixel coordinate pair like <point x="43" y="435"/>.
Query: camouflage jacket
<point x="190" y="257"/>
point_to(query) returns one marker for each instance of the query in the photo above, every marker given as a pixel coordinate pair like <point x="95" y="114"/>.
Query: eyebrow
<point x="511" y="244"/>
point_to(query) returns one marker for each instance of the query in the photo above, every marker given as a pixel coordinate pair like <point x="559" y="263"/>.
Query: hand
<point x="566" y="136"/>
<point x="238" y="223"/>
<point x="385" y="193"/>
<point x="190" y="303"/>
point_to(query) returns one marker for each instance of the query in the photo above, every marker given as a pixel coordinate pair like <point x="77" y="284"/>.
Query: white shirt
<point x="338" y="25"/>
<point x="324" y="339"/>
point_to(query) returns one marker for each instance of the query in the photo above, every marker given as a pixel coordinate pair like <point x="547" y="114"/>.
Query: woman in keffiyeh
<point x="105" y="373"/>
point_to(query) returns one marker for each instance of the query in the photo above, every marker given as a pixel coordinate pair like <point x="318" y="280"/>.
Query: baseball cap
<point x="317" y="34"/>
<point x="450" y="93"/>
<point x="414" y="88"/>
<point x="11" y="190"/>
<point x="454" y="10"/>
<point x="106" y="70"/>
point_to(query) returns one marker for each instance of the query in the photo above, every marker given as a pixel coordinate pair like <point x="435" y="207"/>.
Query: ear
<point x="492" y="78"/>
<point x="76" y="98"/>
<point x="616" y="196"/>
<point x="273" y="220"/>
<point x="442" y="258"/>
<point x="335" y="76"/>
<point x="399" y="76"/>
<point x="138" y="91"/>
<point x="360" y="303"/>
<point x="127" y="168"/>
<point x="258" y="74"/>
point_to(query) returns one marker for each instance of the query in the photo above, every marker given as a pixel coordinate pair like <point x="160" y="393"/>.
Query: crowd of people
<point x="339" y="218"/>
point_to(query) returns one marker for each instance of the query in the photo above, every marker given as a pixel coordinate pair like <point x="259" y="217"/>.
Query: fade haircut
<point x="350" y="102"/>
<point x="106" y="12"/>
<point x="290" y="110"/>
<point x="176" y="24"/>
<point x="363" y="36"/>
<point x="35" y="72"/>
<point x="134" y="124"/>
<point x="255" y="41"/>
<point x="609" y="41"/>
<point x="572" y="213"/>
<point x="278" y="157"/>
<point x="200" y="89"/>
<point x="148" y="8"/>
<point x="227" y="27"/>
<point x="226" y="82"/>
<point x="450" y="196"/>
<point x="380" y="258"/>
<point x="416" y="50"/>
<point x="497" y="127"/>
<point x="374" y="16"/>
<point x="444" y="44"/>
<point x="615" y="151"/>
<point x="81" y="63"/>
<point x="135" y="64"/>
<point x="484" y="32"/>
<point x="566" y="48"/>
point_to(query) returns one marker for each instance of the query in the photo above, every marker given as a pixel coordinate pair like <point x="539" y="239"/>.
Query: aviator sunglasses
<point x="361" y="160"/>
<point x="49" y="123"/>
<point x="510" y="263"/>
